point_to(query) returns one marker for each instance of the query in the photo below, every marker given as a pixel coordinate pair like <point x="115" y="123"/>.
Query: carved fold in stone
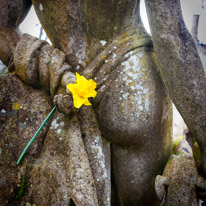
<point x="39" y="64"/>
<point x="83" y="190"/>
<point x="96" y="154"/>
<point x="26" y="59"/>
<point x="57" y="69"/>
<point x="63" y="168"/>
<point x="112" y="56"/>
<point x="44" y="62"/>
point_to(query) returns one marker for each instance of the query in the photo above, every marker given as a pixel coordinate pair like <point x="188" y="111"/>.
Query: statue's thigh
<point x="135" y="116"/>
<point x="135" y="105"/>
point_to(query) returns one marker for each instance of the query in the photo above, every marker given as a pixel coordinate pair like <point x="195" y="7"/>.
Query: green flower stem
<point x="34" y="137"/>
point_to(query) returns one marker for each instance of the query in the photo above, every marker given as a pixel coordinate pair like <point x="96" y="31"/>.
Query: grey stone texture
<point x="107" y="154"/>
<point x="180" y="180"/>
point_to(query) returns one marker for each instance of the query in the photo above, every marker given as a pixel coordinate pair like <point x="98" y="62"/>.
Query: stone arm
<point x="180" y="66"/>
<point x="40" y="65"/>
<point x="35" y="61"/>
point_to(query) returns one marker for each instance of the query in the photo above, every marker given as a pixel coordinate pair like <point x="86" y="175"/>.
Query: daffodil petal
<point x="72" y="87"/>
<point x="78" y="101"/>
<point x="78" y="77"/>
<point x="81" y="79"/>
<point x="91" y="93"/>
<point x="82" y="90"/>
<point x="86" y="102"/>
<point x="92" y="84"/>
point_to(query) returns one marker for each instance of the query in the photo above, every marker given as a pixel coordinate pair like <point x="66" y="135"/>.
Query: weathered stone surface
<point x="180" y="180"/>
<point x="6" y="45"/>
<point x="131" y="100"/>
<point x="128" y="108"/>
<point x="26" y="60"/>
<point x="62" y="172"/>
<point x="106" y="41"/>
<point x="98" y="151"/>
<point x="180" y="66"/>
<point x="12" y="14"/>
<point x="22" y="110"/>
<point x="39" y="64"/>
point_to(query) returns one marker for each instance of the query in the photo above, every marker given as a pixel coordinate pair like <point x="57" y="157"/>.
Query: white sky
<point x="189" y="8"/>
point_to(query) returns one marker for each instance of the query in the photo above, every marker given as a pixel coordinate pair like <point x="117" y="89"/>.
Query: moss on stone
<point x="22" y="191"/>
<point x="196" y="153"/>
<point x="175" y="142"/>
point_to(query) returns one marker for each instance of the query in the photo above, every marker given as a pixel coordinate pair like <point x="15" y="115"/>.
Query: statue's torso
<point x="133" y="111"/>
<point x="133" y="103"/>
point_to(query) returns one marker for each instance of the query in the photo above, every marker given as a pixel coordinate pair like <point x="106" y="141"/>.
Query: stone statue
<point x="107" y="154"/>
<point x="180" y="180"/>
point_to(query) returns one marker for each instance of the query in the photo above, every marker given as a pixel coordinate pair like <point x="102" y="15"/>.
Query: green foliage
<point x="23" y="188"/>
<point x="175" y="142"/>
<point x="196" y="153"/>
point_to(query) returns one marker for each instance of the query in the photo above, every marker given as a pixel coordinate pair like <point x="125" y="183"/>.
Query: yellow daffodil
<point x="82" y="90"/>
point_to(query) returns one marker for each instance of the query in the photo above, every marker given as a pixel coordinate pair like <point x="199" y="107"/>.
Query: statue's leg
<point x="62" y="174"/>
<point x="135" y="170"/>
